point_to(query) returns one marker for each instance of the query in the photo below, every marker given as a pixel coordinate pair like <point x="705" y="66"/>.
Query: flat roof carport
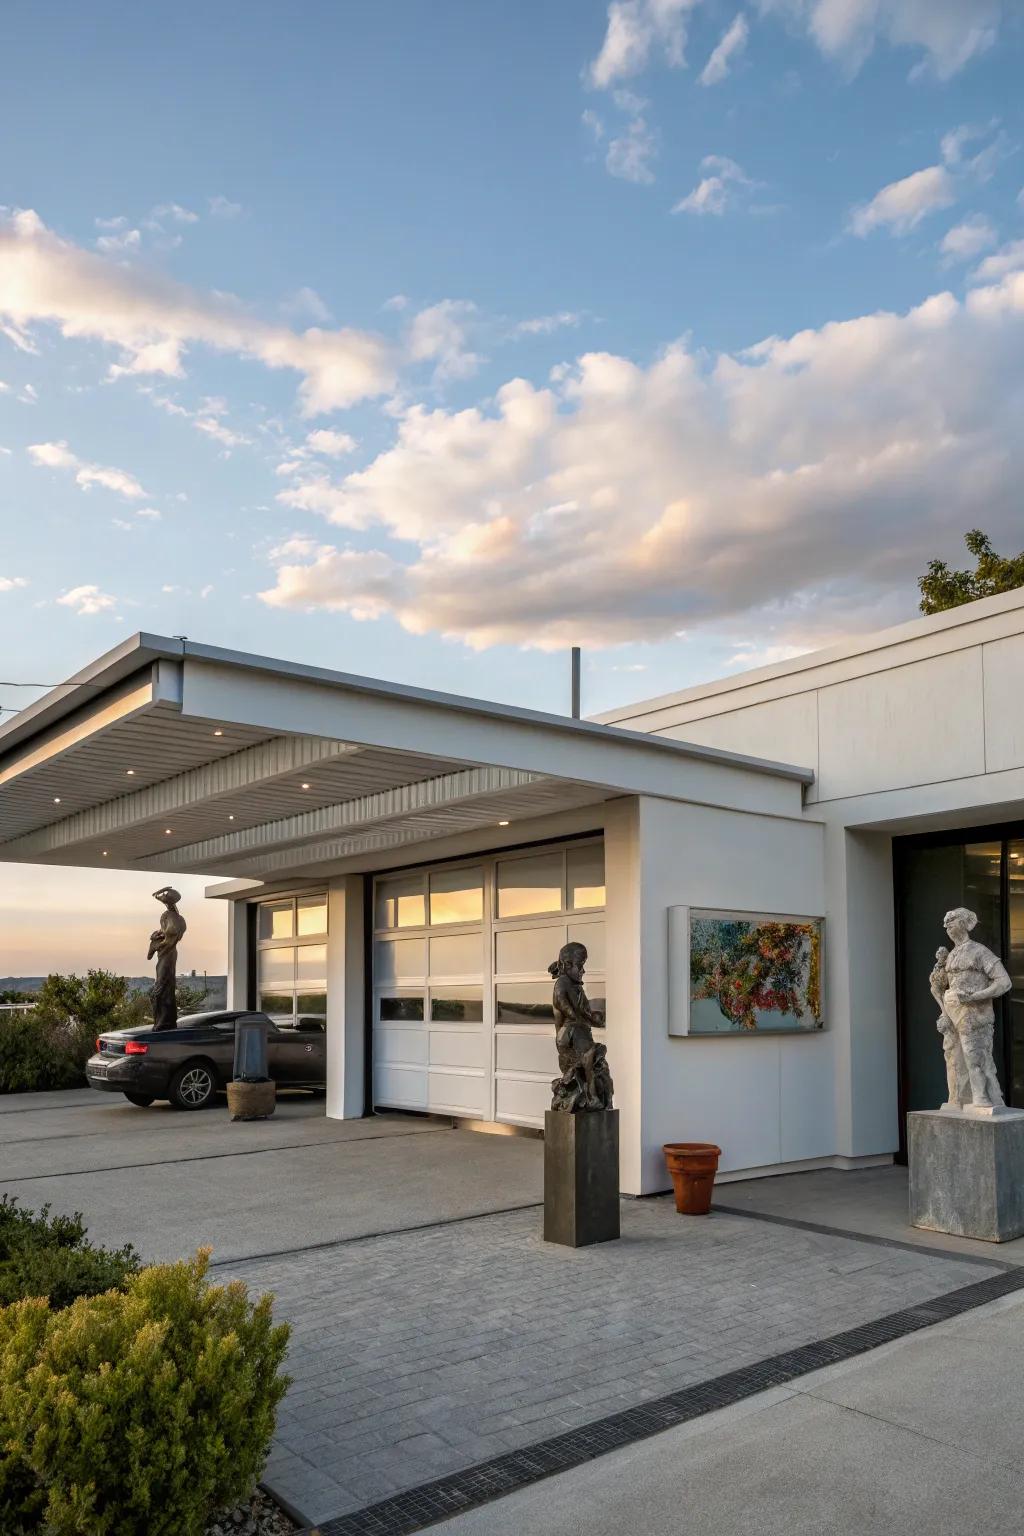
<point x="171" y="755"/>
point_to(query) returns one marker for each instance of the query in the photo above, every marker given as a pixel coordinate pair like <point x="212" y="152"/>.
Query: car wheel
<point x="193" y="1087"/>
<point x="140" y="1100"/>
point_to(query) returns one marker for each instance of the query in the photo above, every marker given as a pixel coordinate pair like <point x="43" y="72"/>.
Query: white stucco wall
<point x="764" y="1100"/>
<point x="917" y="727"/>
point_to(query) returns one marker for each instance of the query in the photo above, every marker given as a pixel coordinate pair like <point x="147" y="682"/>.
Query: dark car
<point x="189" y="1064"/>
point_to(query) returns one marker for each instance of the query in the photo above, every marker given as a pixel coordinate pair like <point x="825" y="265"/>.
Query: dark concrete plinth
<point x="967" y="1174"/>
<point x="581" y="1177"/>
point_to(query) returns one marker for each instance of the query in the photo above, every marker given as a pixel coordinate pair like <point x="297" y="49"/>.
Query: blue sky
<point x="424" y="340"/>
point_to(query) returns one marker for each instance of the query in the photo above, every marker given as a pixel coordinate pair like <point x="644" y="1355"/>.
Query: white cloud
<point x="730" y="46"/>
<point x="636" y="29"/>
<point x="752" y="492"/>
<point x="127" y="243"/>
<point x="593" y="124"/>
<point x="175" y="212"/>
<point x="334" y="444"/>
<point x="715" y="191"/>
<point x="956" y="140"/>
<point x="28" y="395"/>
<point x="1009" y="259"/>
<point x="630" y="153"/>
<point x="902" y="205"/>
<point x="150" y="512"/>
<point x="968" y="239"/>
<point x="10" y="583"/>
<point x="222" y="207"/>
<point x="439" y="334"/>
<point x="397" y="301"/>
<point x="306" y="304"/>
<point x="59" y="456"/>
<point x="87" y="600"/>
<point x="546" y="325"/>
<point x="151" y="318"/>
<point x="946" y="34"/>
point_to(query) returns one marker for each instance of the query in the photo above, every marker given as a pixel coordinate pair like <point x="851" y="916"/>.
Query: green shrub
<point x="136" y="1413"/>
<point x="50" y="1257"/>
<point x="36" y="1054"/>
<point x="49" y="1047"/>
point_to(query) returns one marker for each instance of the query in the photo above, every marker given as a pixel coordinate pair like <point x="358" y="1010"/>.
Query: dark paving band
<point x="865" y="1237"/>
<point x="446" y="1497"/>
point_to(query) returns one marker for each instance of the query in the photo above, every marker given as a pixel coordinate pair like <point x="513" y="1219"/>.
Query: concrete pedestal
<point x="581" y="1177"/>
<point x="967" y="1173"/>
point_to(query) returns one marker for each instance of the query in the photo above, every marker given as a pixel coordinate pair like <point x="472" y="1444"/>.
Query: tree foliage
<point x="942" y="588"/>
<point x="48" y="1048"/>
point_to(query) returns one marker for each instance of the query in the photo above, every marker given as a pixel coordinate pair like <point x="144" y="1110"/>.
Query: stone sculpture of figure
<point x="585" y="1082"/>
<point x="958" y="1086"/>
<point x="975" y="977"/>
<point x="163" y="943"/>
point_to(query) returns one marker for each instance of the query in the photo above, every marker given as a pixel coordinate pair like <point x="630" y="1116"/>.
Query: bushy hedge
<point x="51" y="1257"/>
<point x="138" y="1411"/>
<point x="48" y="1047"/>
<point x="37" y="1053"/>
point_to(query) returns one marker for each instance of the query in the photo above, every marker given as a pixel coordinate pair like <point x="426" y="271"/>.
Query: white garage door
<point x="462" y="995"/>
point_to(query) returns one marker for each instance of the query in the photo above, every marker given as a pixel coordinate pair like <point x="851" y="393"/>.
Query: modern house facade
<point x="406" y="864"/>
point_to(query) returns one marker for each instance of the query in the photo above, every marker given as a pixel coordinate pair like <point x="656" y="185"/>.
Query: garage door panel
<point x="460" y="1093"/>
<point x="458" y="1048"/>
<point x="402" y="1046"/>
<point x="527" y="1053"/>
<point x="522" y="1100"/>
<point x="400" y="1087"/>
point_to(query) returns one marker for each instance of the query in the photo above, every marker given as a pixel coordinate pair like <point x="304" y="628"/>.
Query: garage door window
<point x="291" y="959"/>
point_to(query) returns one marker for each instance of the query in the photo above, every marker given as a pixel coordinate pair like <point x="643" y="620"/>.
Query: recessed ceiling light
<point x="218" y="733"/>
<point x="105" y="854"/>
<point x="167" y="831"/>
<point x="305" y="786"/>
<point x="502" y="823"/>
<point x="130" y="772"/>
<point x="56" y="799"/>
<point x="231" y="818"/>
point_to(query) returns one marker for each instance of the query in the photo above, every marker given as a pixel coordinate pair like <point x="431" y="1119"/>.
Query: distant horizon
<point x="66" y="920"/>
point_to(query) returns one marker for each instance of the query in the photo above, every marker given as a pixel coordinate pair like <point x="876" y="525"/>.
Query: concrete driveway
<point x="169" y="1181"/>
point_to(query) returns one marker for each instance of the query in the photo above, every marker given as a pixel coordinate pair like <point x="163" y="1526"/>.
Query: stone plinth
<point x="967" y="1173"/>
<point x="581" y="1177"/>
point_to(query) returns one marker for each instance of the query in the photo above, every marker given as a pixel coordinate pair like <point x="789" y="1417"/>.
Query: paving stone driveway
<point x="415" y="1354"/>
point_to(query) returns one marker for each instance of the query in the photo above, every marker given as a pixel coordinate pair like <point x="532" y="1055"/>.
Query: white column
<point x="861" y="990"/>
<point x="238" y="955"/>
<point x="625" y="983"/>
<point x="346" y="1050"/>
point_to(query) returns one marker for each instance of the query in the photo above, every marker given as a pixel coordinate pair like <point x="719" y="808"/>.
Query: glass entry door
<point x="982" y="870"/>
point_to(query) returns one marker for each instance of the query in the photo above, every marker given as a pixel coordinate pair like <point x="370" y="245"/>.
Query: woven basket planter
<point x="252" y="1101"/>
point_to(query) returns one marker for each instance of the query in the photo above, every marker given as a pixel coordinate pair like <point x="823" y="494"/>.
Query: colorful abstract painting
<point x="754" y="974"/>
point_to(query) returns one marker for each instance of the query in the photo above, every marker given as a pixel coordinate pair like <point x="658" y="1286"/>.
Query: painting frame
<point x="681" y="938"/>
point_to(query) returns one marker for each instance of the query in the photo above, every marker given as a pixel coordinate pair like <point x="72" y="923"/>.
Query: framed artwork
<point x="744" y="973"/>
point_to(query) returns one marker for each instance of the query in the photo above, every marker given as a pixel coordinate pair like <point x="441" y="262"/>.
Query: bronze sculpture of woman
<point x="585" y="1082"/>
<point x="163" y="942"/>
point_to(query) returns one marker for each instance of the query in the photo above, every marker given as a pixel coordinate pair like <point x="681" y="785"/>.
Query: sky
<point x="426" y="341"/>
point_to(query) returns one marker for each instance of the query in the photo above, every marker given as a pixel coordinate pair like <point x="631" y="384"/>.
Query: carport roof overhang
<point x="171" y="755"/>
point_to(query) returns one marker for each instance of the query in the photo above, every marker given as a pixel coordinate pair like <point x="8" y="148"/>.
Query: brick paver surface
<point x="416" y="1354"/>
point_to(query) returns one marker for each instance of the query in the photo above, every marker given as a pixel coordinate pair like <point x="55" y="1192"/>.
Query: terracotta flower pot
<point x="693" y="1165"/>
<point x="252" y="1101"/>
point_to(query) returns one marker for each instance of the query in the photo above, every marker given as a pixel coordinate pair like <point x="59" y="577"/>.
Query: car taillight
<point x="135" y="1048"/>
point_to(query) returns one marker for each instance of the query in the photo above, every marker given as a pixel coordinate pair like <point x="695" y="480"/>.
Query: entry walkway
<point x="420" y="1354"/>
<point x="921" y="1437"/>
<point x="434" y="1332"/>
